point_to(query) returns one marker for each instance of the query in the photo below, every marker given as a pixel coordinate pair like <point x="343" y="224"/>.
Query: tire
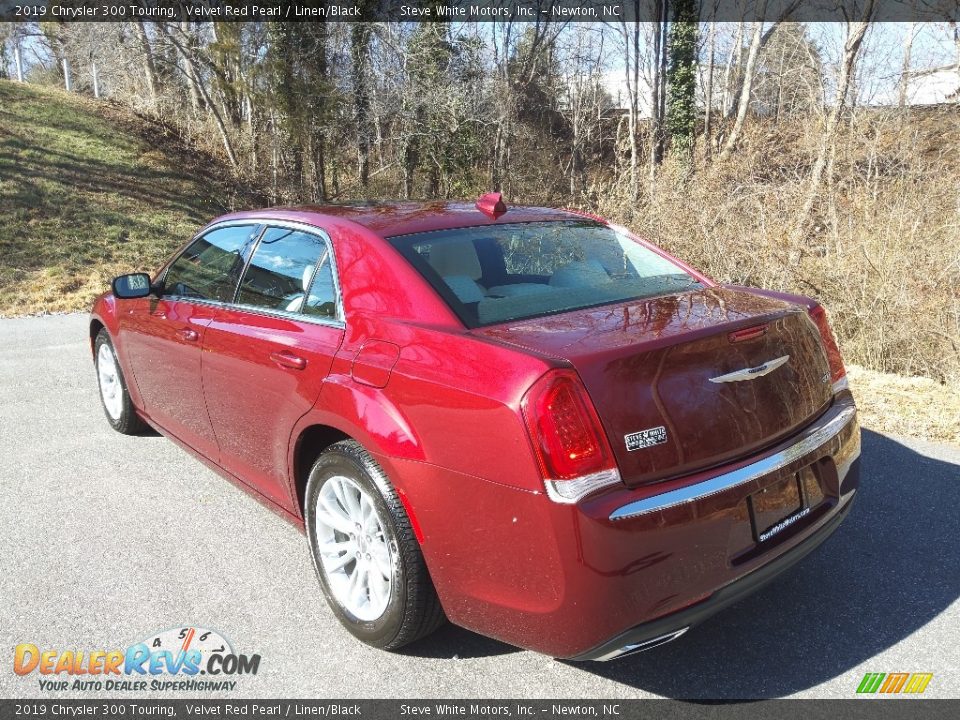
<point x="114" y="396"/>
<point x="344" y="485"/>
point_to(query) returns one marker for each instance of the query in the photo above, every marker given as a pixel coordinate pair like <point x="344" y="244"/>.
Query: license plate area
<point x="779" y="505"/>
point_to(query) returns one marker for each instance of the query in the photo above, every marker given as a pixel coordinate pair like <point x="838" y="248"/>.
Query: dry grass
<point x="882" y="253"/>
<point x="915" y="406"/>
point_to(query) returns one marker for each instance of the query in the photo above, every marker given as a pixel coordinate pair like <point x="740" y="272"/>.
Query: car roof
<point x="390" y="219"/>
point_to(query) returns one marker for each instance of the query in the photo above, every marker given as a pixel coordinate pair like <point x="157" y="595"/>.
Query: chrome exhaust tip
<point x="641" y="647"/>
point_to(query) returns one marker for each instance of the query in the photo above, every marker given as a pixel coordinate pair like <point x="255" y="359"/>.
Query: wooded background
<point x="754" y="150"/>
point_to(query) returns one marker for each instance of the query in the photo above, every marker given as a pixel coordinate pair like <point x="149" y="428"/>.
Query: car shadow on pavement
<point x="451" y="642"/>
<point x="892" y="567"/>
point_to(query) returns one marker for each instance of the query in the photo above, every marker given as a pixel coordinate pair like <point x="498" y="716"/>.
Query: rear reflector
<point x="568" y="440"/>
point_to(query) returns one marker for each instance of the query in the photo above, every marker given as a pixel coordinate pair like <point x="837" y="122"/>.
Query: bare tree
<point x="708" y="89"/>
<point x="658" y="85"/>
<point x="757" y="41"/>
<point x="195" y="81"/>
<point x="360" y="49"/>
<point x="856" y="31"/>
<point x="517" y="49"/>
<point x="631" y="34"/>
<point x="584" y="98"/>
<point x="149" y="68"/>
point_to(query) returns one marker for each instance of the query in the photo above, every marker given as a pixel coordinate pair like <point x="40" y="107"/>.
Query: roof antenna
<point x="491" y="204"/>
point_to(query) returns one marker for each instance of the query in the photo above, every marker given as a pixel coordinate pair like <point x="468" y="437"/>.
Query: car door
<point x="163" y="336"/>
<point x="267" y="355"/>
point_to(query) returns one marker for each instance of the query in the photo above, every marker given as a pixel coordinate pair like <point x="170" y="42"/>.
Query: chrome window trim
<point x="812" y="439"/>
<point x="162" y="276"/>
<point x="265" y="224"/>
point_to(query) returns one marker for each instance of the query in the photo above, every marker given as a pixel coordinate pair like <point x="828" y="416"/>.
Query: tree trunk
<point x="855" y="34"/>
<point x="360" y="47"/>
<point x="319" y="190"/>
<point x="631" y="40"/>
<point x="905" y="72"/>
<point x="659" y="83"/>
<point x="188" y="68"/>
<point x="196" y="84"/>
<point x="149" y="68"/>
<point x="18" y="60"/>
<point x="731" y="75"/>
<point x="67" y="82"/>
<point x="409" y="166"/>
<point x="708" y="93"/>
<point x="743" y="103"/>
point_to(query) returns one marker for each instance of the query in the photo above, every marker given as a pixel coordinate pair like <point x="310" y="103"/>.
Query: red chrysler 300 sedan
<point x="528" y="421"/>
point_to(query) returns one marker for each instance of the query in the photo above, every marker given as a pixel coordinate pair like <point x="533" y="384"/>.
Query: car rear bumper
<point x="630" y="565"/>
<point x="663" y="630"/>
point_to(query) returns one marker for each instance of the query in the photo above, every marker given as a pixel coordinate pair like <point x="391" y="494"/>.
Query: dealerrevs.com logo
<point x="180" y="659"/>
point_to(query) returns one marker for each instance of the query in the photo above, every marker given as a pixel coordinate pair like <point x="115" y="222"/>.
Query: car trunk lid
<point x="689" y="381"/>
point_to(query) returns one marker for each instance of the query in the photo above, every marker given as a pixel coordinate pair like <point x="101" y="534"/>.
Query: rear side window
<point x="501" y="273"/>
<point x="290" y="271"/>
<point x="211" y="265"/>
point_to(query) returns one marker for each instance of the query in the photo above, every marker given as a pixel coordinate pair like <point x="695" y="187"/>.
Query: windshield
<point x="500" y="273"/>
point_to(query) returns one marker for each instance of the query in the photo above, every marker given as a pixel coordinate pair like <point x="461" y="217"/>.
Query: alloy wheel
<point x="353" y="548"/>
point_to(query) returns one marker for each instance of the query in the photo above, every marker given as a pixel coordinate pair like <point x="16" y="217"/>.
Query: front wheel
<point x="113" y="389"/>
<point x="365" y="553"/>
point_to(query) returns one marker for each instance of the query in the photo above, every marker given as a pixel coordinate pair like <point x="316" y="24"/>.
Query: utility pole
<point x="66" y="75"/>
<point x="96" y="80"/>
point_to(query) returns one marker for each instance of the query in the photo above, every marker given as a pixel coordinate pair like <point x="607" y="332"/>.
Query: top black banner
<point x="533" y="11"/>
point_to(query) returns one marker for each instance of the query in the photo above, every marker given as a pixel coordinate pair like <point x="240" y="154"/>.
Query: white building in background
<point x="614" y="83"/>
<point x="933" y="87"/>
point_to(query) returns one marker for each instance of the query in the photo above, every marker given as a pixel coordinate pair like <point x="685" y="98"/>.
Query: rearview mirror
<point x="134" y="285"/>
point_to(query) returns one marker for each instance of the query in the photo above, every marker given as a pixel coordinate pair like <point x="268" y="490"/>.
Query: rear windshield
<point x="501" y="273"/>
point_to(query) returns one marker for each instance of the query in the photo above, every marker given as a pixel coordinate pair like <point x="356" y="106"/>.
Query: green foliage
<point x="682" y="79"/>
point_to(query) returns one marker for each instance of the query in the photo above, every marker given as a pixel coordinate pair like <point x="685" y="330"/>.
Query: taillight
<point x="838" y="372"/>
<point x="571" y="448"/>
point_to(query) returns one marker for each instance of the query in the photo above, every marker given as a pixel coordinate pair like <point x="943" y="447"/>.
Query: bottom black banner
<point x="481" y="709"/>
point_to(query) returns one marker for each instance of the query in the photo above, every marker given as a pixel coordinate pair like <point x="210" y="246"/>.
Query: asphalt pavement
<point x="106" y="540"/>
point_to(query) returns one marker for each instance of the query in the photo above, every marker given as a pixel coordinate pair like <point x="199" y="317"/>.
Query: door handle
<point x="188" y="334"/>
<point x="288" y="360"/>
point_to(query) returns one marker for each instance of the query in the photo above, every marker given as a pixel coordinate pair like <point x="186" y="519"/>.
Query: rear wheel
<point x="365" y="553"/>
<point x="113" y="389"/>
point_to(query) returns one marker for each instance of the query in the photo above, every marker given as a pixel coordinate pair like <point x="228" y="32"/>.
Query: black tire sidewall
<point x="382" y="631"/>
<point x="129" y="423"/>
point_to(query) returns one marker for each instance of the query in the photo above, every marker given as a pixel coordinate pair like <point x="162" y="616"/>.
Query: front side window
<point x="500" y="273"/>
<point x="211" y="265"/>
<point x="290" y="271"/>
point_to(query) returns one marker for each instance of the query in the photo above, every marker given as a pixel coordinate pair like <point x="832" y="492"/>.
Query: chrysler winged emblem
<point x="750" y="373"/>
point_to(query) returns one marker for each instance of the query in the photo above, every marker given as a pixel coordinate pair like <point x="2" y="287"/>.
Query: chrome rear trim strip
<point x="811" y="439"/>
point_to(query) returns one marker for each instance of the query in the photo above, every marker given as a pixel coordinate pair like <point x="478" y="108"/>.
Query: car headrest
<point x="456" y="257"/>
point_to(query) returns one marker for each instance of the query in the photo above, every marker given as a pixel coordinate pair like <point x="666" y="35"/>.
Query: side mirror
<point x="134" y="285"/>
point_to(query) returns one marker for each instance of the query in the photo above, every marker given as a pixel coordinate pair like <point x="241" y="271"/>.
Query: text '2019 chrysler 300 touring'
<point x="527" y="421"/>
